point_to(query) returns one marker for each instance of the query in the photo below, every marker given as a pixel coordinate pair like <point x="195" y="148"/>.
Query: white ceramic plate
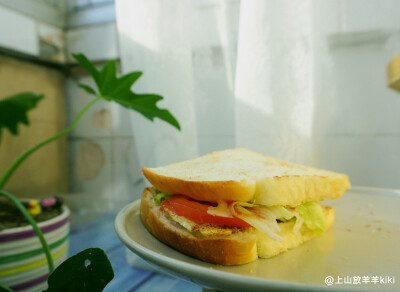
<point x="364" y="242"/>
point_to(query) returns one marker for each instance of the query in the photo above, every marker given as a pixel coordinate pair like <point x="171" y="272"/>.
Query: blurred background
<point x="299" y="80"/>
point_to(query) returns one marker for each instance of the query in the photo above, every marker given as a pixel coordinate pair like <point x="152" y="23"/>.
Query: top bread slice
<point x="246" y="175"/>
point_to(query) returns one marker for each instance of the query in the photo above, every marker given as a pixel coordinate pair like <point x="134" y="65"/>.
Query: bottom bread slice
<point x="242" y="246"/>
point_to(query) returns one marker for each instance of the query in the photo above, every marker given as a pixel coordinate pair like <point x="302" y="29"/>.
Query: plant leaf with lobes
<point x="88" y="270"/>
<point x="14" y="109"/>
<point x="112" y="88"/>
<point x="146" y="105"/>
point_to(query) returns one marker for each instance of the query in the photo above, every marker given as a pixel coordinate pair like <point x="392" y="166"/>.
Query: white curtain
<point x="300" y="80"/>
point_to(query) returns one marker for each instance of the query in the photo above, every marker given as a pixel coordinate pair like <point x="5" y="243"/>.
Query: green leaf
<point x="14" y="109"/>
<point x="116" y="89"/>
<point x="87" y="88"/>
<point x="107" y="76"/>
<point x="4" y="288"/>
<point x="125" y="81"/>
<point x="81" y="58"/>
<point x="160" y="197"/>
<point x="89" y="270"/>
<point x="314" y="216"/>
<point x="146" y="105"/>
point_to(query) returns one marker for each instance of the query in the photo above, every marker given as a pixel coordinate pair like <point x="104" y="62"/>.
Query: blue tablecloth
<point x="99" y="232"/>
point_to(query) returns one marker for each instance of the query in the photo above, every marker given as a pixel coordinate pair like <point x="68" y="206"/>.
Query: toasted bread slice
<point x="240" y="246"/>
<point x="245" y="175"/>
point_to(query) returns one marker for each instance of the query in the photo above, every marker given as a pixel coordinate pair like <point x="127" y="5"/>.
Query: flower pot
<point x="23" y="264"/>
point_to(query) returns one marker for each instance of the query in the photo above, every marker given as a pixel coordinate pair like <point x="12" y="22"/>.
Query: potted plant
<point x="22" y="260"/>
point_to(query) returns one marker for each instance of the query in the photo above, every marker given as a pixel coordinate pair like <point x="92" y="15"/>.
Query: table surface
<point x="99" y="232"/>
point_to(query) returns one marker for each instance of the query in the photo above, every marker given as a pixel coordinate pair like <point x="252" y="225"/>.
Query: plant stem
<point x="27" y="153"/>
<point x="34" y="226"/>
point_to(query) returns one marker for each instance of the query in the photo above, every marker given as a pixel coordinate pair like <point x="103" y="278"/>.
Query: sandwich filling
<point x="189" y="212"/>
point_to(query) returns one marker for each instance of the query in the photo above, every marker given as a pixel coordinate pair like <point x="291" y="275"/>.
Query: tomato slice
<point x="197" y="212"/>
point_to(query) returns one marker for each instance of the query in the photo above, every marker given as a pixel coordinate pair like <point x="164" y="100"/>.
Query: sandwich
<point x="234" y="206"/>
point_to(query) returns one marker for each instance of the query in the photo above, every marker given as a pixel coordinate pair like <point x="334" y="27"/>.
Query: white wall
<point x="357" y="122"/>
<point x="23" y="33"/>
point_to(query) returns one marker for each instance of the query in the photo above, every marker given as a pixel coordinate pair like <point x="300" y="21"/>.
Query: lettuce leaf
<point x="313" y="215"/>
<point x="265" y="218"/>
<point x="160" y="197"/>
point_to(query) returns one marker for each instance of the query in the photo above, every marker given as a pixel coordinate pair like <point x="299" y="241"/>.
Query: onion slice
<point x="267" y="226"/>
<point x="265" y="218"/>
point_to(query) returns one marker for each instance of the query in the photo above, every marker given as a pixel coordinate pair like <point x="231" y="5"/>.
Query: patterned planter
<point x="23" y="264"/>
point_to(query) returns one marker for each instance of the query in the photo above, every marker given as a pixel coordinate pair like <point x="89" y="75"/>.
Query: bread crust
<point x="241" y="248"/>
<point x="223" y="251"/>
<point x="245" y="175"/>
<point x="202" y="190"/>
